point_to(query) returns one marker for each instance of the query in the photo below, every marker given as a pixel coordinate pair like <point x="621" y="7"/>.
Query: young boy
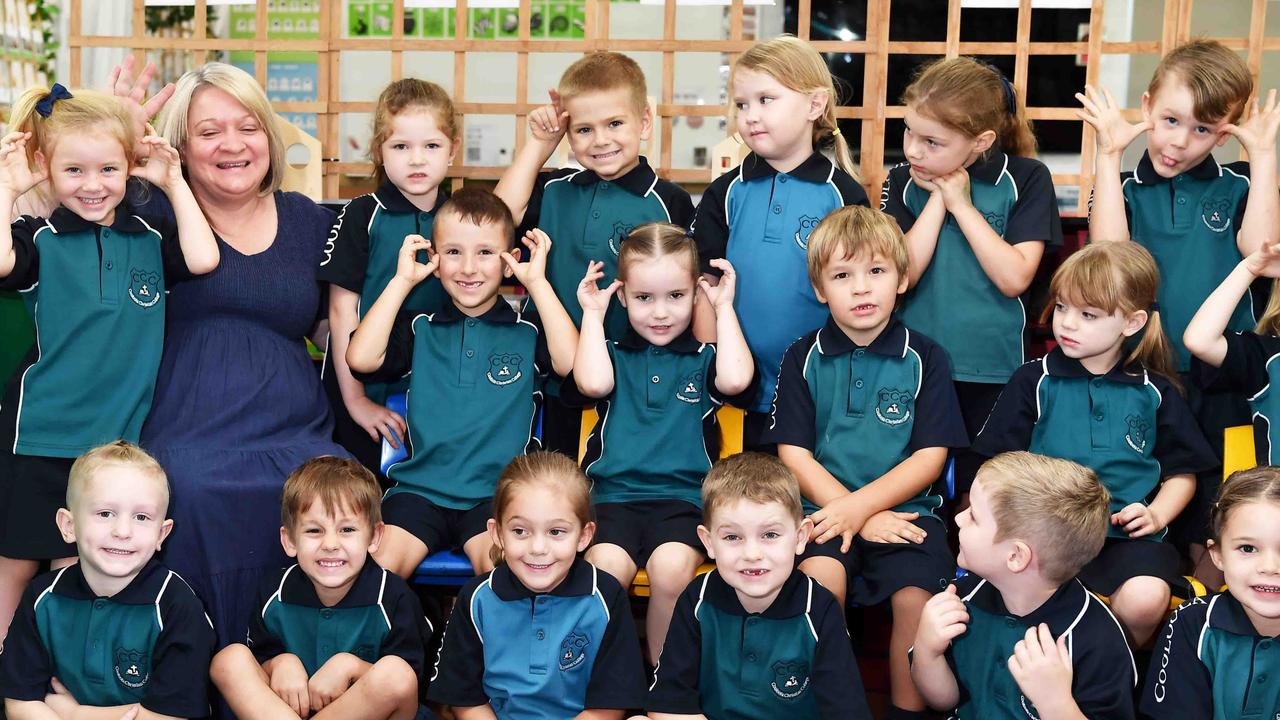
<point x="756" y="639"/>
<point x="117" y="630"/>
<point x="1019" y="636"/>
<point x="864" y="414"/>
<point x="602" y="103"/>
<point x="475" y="371"/>
<point x="336" y="636"/>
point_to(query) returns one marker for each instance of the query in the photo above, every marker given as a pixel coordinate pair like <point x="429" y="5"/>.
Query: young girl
<point x="545" y="634"/>
<point x="94" y="276"/>
<point x="759" y="215"/>
<point x="414" y="140"/>
<point x="656" y="392"/>
<point x="1217" y="651"/>
<point x="977" y="212"/>
<point x="1117" y="411"/>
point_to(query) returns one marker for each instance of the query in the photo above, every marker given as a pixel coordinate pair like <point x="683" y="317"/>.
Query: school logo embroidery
<point x="1216" y="214"/>
<point x="894" y="406"/>
<point x="807" y="224"/>
<point x="620" y="232"/>
<point x="690" y="389"/>
<point x="1136" y="434"/>
<point x="503" y="369"/>
<point x="132" y="667"/>
<point x="1029" y="708"/>
<point x="996" y="221"/>
<point x="573" y="650"/>
<point x="144" y="287"/>
<point x="790" y="678"/>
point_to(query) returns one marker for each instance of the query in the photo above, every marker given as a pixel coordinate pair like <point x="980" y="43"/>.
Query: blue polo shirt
<point x="532" y="656"/>
<point x="1210" y="662"/>
<point x="1131" y="426"/>
<point x="760" y="220"/>
<point x="863" y="410"/>
<point x="1250" y="368"/>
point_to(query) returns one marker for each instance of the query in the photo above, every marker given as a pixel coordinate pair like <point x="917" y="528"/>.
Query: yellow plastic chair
<point x="1238" y="452"/>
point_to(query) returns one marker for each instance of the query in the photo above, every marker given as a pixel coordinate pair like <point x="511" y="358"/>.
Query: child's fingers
<point x="614" y="287"/>
<point x="130" y="714"/>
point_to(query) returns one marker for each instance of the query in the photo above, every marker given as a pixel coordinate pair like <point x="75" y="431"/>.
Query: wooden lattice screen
<point x="875" y="48"/>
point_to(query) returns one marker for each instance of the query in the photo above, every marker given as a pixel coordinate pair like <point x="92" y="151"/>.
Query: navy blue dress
<point x="238" y="406"/>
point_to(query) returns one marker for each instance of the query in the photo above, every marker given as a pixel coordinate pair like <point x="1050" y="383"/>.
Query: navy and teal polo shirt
<point x="1131" y="426"/>
<point x="1189" y="223"/>
<point x="150" y="643"/>
<point x="1103" y="672"/>
<point x="474" y="393"/>
<point x="760" y="220"/>
<point x="378" y="617"/>
<point x="863" y="410"/>
<point x="532" y="656"/>
<point x="955" y="301"/>
<point x="587" y="219"/>
<point x="1248" y="368"/>
<point x="97" y="296"/>
<point x="1210" y="662"/>
<point x="794" y="660"/>
<point x="657" y="433"/>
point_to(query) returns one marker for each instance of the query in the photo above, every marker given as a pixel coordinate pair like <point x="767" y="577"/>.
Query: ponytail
<point x="1269" y="323"/>
<point x="1154" y="351"/>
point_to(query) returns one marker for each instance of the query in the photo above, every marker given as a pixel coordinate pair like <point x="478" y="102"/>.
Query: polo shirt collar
<point x="1058" y="364"/>
<point x="64" y="221"/>
<point x="297" y="588"/>
<point x="1059" y="612"/>
<point x="580" y="581"/>
<point x="637" y="181"/>
<point x="1146" y="173"/>
<point x="390" y="197"/>
<point x="792" y="599"/>
<point x="140" y="591"/>
<point x="891" y="342"/>
<point x="1226" y="613"/>
<point x="501" y="312"/>
<point x="990" y="169"/>
<point x="684" y="343"/>
<point x="815" y="169"/>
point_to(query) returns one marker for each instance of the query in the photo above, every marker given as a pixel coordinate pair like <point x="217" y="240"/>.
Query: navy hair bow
<point x="44" y="105"/>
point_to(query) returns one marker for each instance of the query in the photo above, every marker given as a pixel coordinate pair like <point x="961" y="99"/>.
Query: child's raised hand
<point x="1265" y="261"/>
<point x="407" y="266"/>
<point x="161" y="165"/>
<point x="842" y="517"/>
<point x="289" y="683"/>
<point x="943" y="619"/>
<point x="377" y="420"/>
<point x="549" y="122"/>
<point x="1112" y="131"/>
<point x="535" y="269"/>
<point x="1042" y="667"/>
<point x="891" y="526"/>
<point x="954" y="187"/>
<point x="721" y="294"/>
<point x="15" y="173"/>
<point x="1137" y="520"/>
<point x="590" y="296"/>
<point x="1258" y="132"/>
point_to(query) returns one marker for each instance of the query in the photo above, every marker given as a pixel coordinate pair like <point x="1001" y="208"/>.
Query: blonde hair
<point x="752" y="476"/>
<point x="240" y="85"/>
<point x="1256" y="484"/>
<point x="86" y="111"/>
<point x="120" y="452"/>
<point x="337" y="483"/>
<point x="1218" y="79"/>
<point x="656" y="240"/>
<point x="794" y="63"/>
<point x="1056" y="506"/>
<point x="549" y="469"/>
<point x="1118" y="276"/>
<point x="851" y="231"/>
<point x="602" y="72"/>
<point x="1269" y="323"/>
<point x="972" y="97"/>
<point x="408" y="95"/>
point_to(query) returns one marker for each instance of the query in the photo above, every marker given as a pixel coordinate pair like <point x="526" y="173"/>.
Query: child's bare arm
<point x="1107" y="218"/>
<point x="333" y="678"/>
<point x="1261" y="223"/>
<point x="376" y="420"/>
<point x="734" y="367"/>
<point x="1171" y="499"/>
<point x="944" y="618"/>
<point x="1042" y="668"/>
<point x="164" y="170"/>
<point x="592" y="367"/>
<point x="669" y="716"/>
<point x="1009" y="267"/>
<point x="601" y="714"/>
<point x="287" y="678"/>
<point x="28" y="710"/>
<point x="16" y="178"/>
<point x="368" y="348"/>
<point x="478" y="712"/>
<point x="922" y="238"/>
<point x="562" y="334"/>
<point x="547" y="125"/>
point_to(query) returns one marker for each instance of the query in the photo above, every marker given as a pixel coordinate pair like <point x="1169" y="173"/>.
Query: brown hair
<point x="408" y="95"/>
<point x="797" y="65"/>
<point x="1218" y="79"/>
<point x="1119" y="276"/>
<point x="120" y="452"/>
<point x="972" y="97"/>
<point x="479" y="207"/>
<point x="752" y="476"/>
<point x="337" y="483"/>
<point x="656" y="240"/>
<point x="1244" y="486"/>
<point x="855" y="230"/>
<point x="545" y="468"/>
<point x="1056" y="506"/>
<point x="86" y="111"/>
<point x="604" y="71"/>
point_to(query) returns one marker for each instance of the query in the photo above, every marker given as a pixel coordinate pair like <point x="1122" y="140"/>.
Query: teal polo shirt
<point x="1210" y="662"/>
<point x="760" y="220"/>
<point x="863" y="410"/>
<point x="474" y="394"/>
<point x="363" y="249"/>
<point x="656" y="435"/>
<point x="150" y="643"/>
<point x="794" y="660"/>
<point x="1250" y="368"/>
<point x="587" y="219"/>
<point x="955" y="301"/>
<point x="97" y="297"/>
<point x="1189" y="223"/>
<point x="1103" y="672"/>
<point x="1131" y="426"/>
<point x="378" y="617"/>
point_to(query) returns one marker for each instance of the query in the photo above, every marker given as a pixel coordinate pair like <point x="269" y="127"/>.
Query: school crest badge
<point x="690" y="389"/>
<point x="620" y="232"/>
<point x="504" y="369"/>
<point x="573" y="650"/>
<point x="790" y="678"/>
<point x="132" y="667"/>
<point x="996" y="221"/>
<point x="1136" y="433"/>
<point x="144" y="287"/>
<point x="893" y="407"/>
<point x="807" y="224"/>
<point x="1216" y="214"/>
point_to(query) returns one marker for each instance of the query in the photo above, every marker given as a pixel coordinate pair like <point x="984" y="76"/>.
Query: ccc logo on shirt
<point x="1216" y="214"/>
<point x="144" y="287"/>
<point x="621" y="231"/>
<point x="790" y="678"/>
<point x="132" y="667"/>
<point x="573" y="650"/>
<point x="1136" y="433"/>
<point x="690" y="389"/>
<point x="503" y="369"/>
<point x="893" y="407"/>
<point x="807" y="224"/>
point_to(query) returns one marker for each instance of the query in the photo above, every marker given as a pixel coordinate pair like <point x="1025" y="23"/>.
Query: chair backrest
<point x="392" y="455"/>
<point x="306" y="178"/>
<point x="729" y="417"/>
<point x="1238" y="452"/>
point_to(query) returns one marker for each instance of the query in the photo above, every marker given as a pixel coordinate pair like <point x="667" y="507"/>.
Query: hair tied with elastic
<point x="1155" y="307"/>
<point x="44" y="106"/>
<point x="1011" y="101"/>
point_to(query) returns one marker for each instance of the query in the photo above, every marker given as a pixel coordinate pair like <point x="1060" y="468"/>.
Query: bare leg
<point x="389" y="689"/>
<point x="477" y="551"/>
<point x="14" y="576"/>
<point x="1203" y="568"/>
<point x="830" y="574"/>
<point x="1141" y="604"/>
<point x="907" y="604"/>
<point x="615" y="561"/>
<point x="671" y="568"/>
<point x="400" y="551"/>
<point x="246" y="687"/>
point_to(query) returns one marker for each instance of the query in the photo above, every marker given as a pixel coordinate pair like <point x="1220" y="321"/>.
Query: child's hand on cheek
<point x="954" y="187"/>
<point x="163" y="166"/>
<point x="590" y="296"/>
<point x="1137" y="520"/>
<point x="1258" y="133"/>
<point x="720" y="295"/>
<point x="534" y="270"/>
<point x="1042" y="668"/>
<point x="408" y="268"/>
<point x="15" y="173"/>
<point x="927" y="185"/>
